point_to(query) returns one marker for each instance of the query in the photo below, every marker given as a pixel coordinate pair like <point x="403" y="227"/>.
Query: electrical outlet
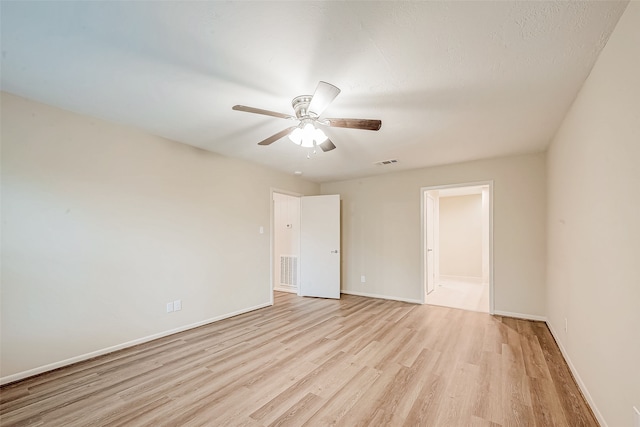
<point x="636" y="417"/>
<point x="363" y="279"/>
<point x="177" y="305"/>
<point x="169" y="307"/>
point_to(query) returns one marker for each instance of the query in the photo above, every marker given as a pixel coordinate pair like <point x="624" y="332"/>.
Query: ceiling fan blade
<point x="263" y="112"/>
<point x="277" y="136"/>
<point x="323" y="96"/>
<point x="327" y="145"/>
<point x="365" y="124"/>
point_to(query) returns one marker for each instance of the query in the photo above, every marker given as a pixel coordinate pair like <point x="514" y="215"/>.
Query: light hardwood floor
<point x="305" y="361"/>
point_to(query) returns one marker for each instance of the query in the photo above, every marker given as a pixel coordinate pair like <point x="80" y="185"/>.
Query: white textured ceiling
<point x="451" y="81"/>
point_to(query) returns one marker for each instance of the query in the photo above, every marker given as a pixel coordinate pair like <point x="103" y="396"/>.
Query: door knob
<point x="334" y="251"/>
<point x="429" y="250"/>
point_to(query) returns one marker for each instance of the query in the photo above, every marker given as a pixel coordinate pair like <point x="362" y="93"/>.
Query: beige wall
<point x="102" y="225"/>
<point x="381" y="230"/>
<point x="594" y="228"/>
<point x="461" y="236"/>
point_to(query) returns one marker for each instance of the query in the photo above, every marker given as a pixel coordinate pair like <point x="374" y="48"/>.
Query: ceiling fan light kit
<point x="308" y="136"/>
<point x="308" y="109"/>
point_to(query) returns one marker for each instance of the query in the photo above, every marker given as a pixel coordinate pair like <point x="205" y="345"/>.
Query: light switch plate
<point x="169" y="307"/>
<point x="177" y="305"/>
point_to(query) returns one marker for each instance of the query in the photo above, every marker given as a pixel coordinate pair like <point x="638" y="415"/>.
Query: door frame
<point x="423" y="235"/>
<point x="272" y="242"/>
<point x="429" y="221"/>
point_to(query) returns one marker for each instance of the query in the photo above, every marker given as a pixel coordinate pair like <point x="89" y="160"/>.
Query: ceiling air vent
<point x="386" y="162"/>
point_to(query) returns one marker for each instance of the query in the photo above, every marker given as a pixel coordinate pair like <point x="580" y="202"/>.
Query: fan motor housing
<point x="300" y="105"/>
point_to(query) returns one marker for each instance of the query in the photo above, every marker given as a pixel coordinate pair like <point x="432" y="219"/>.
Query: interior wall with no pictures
<point x="594" y="229"/>
<point x="460" y="236"/>
<point x="381" y="225"/>
<point x="102" y="225"/>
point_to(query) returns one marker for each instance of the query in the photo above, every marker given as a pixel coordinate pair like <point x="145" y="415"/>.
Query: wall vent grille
<point x="386" y="162"/>
<point x="289" y="270"/>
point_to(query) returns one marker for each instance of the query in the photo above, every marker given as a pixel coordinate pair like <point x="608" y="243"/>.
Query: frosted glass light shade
<point x="319" y="136"/>
<point x="307" y="136"/>
<point x="296" y="136"/>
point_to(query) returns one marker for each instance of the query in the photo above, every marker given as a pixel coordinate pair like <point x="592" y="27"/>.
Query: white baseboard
<point x="51" y="366"/>
<point x="368" y="295"/>
<point x="574" y="372"/>
<point x="470" y="279"/>
<point x="281" y="289"/>
<point x="520" y="315"/>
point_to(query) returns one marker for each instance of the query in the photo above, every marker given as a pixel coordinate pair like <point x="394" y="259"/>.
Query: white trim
<point x="368" y="295"/>
<point x="51" y="366"/>
<point x="520" y="315"/>
<point x="492" y="298"/>
<point x="281" y="289"/>
<point x="463" y="184"/>
<point x="576" y="376"/>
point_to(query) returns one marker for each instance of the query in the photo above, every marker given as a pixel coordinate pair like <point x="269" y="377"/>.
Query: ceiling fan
<point x="308" y="109"/>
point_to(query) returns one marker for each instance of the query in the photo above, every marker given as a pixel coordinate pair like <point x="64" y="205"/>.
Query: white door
<point x="429" y="243"/>
<point x="320" y="246"/>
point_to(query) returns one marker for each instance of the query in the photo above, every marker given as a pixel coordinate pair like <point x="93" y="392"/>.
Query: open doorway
<point x="305" y="245"/>
<point x="457" y="246"/>
<point x="286" y="242"/>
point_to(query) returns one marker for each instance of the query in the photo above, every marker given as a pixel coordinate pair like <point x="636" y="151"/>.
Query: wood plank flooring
<point x="314" y="362"/>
